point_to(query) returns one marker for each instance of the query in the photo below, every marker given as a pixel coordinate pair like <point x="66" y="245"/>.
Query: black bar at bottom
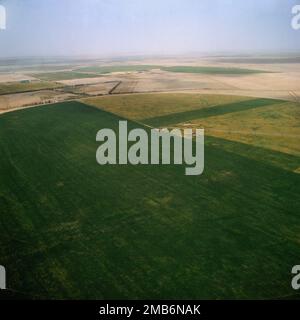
<point x="148" y="309"/>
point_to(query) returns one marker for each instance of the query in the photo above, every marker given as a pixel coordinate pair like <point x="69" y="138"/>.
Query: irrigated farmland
<point x="145" y="106"/>
<point x="269" y="124"/>
<point x="63" y="75"/>
<point x="73" y="229"/>
<point x="211" y="70"/>
<point x="121" y="68"/>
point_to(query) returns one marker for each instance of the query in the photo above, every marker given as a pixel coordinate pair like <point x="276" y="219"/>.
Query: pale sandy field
<point x="14" y="77"/>
<point x="283" y="82"/>
<point x="19" y="100"/>
<point x="84" y="81"/>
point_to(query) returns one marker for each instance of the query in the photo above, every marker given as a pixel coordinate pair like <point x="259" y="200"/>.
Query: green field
<point x="63" y="75"/>
<point x="212" y="70"/>
<point x="144" y="106"/>
<point x="269" y="124"/>
<point x="73" y="229"/>
<point x="180" y="69"/>
<point x="210" y="111"/>
<point x="275" y="126"/>
<point x="122" y="68"/>
<point x="17" y="87"/>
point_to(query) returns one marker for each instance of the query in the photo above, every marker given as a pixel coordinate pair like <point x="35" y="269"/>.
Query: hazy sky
<point x="104" y="27"/>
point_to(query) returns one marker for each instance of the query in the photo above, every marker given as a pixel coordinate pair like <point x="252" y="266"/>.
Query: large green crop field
<point x="73" y="229"/>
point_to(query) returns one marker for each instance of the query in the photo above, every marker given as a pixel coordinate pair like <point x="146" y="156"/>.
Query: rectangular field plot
<point x="145" y="106"/>
<point x="275" y="127"/>
<point x="210" y="111"/>
<point x="63" y="75"/>
<point x="17" y="87"/>
<point x="28" y="99"/>
<point x="110" y="69"/>
<point x="100" y="88"/>
<point x="211" y="70"/>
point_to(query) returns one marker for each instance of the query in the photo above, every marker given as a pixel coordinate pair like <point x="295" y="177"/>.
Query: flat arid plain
<point x="73" y="229"/>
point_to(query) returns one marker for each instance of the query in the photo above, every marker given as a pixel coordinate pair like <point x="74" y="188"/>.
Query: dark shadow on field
<point x="209" y="112"/>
